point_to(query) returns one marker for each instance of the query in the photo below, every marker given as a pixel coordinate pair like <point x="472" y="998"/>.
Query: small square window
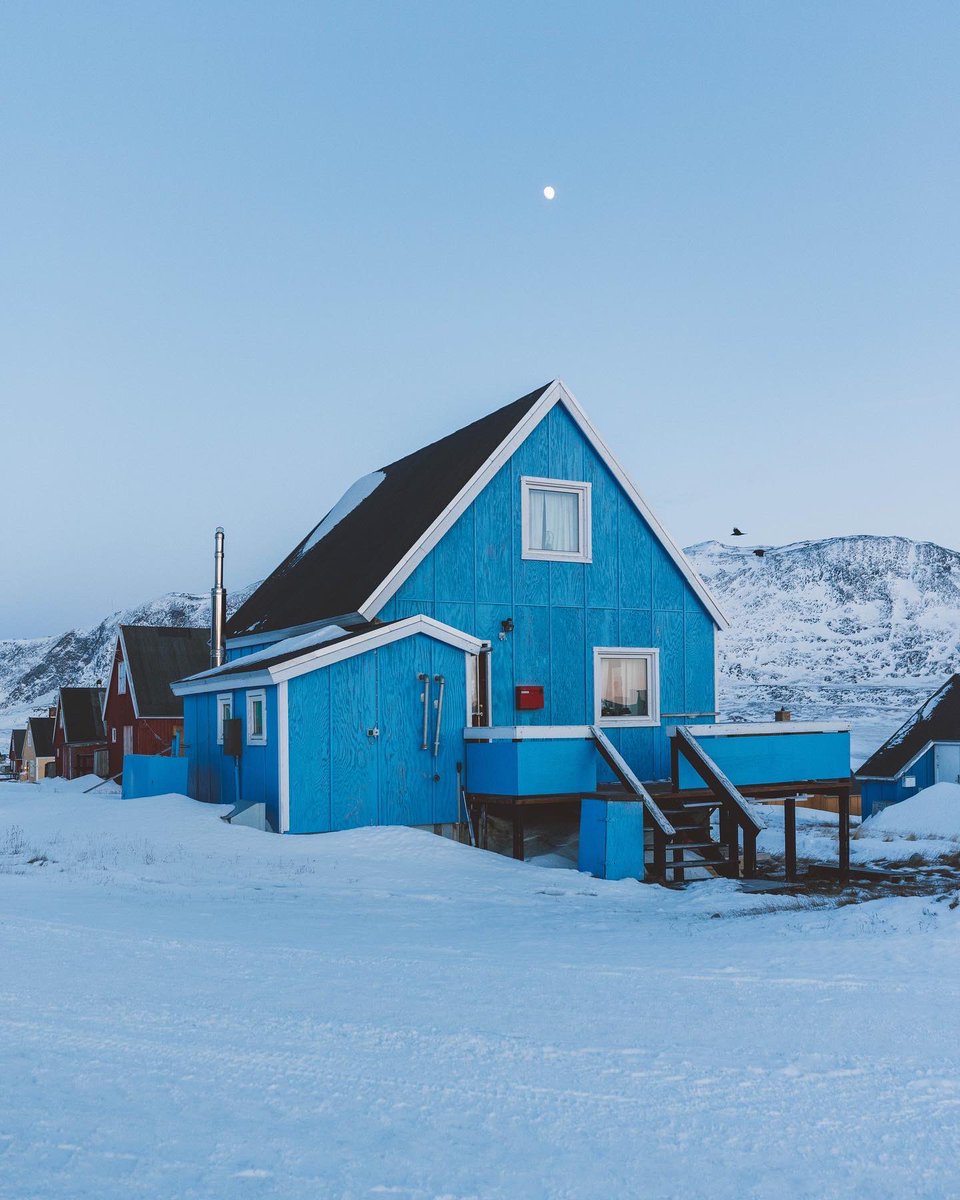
<point x="555" y="516"/>
<point x="626" y="686"/>
<point x="256" y="718"/>
<point x="224" y="713"/>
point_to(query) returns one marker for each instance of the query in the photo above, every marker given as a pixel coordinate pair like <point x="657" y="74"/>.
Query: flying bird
<point x="737" y="532"/>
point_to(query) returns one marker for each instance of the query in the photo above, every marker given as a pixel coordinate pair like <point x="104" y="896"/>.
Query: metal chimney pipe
<point x="218" y="602"/>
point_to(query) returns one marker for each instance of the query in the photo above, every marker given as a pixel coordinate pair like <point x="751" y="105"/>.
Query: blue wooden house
<point x="924" y="750"/>
<point x="510" y="574"/>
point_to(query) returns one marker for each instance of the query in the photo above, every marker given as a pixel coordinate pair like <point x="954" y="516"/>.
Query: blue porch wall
<point x="786" y="757"/>
<point x="341" y="778"/>
<point x="212" y="774"/>
<point x="631" y="594"/>
<point x="876" y="794"/>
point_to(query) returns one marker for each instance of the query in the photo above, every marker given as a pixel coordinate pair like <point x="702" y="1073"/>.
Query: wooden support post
<point x="729" y="837"/>
<point x="674" y="763"/>
<point x="790" y="838"/>
<point x="749" y="854"/>
<point x="843" y="798"/>
<point x="518" y="833"/>
<point x="659" y="854"/>
<point x="678" y="875"/>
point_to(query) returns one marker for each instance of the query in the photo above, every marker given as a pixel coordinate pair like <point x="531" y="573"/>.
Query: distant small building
<point x="15" y="753"/>
<point x="924" y="750"/>
<point x="39" y="761"/>
<point x="141" y="714"/>
<point x="79" y="741"/>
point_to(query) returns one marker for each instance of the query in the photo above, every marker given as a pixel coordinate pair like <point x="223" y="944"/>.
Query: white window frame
<point x="223" y="698"/>
<point x="652" y="655"/>
<point x="121" y="678"/>
<point x="252" y="738"/>
<point x="583" y="492"/>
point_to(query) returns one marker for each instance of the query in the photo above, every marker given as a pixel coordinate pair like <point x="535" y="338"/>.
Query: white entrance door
<point x="946" y="764"/>
<point x="128" y="739"/>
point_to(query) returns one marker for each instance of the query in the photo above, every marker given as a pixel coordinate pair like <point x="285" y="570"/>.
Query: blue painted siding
<point x="235" y="652"/>
<point x="213" y="776"/>
<point x="632" y="594"/>
<point x="153" y="775"/>
<point x="340" y="777"/>
<point x="774" y="758"/>
<point x="531" y="768"/>
<point x="876" y="794"/>
<point x="611" y="839"/>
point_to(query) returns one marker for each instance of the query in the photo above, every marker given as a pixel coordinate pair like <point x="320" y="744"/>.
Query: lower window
<point x="626" y="686"/>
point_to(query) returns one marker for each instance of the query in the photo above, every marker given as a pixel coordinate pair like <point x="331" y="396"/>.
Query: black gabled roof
<point x="42" y="729"/>
<point x="936" y="720"/>
<point x="16" y="742"/>
<point x="82" y="712"/>
<point x="332" y="575"/>
<point x="156" y="655"/>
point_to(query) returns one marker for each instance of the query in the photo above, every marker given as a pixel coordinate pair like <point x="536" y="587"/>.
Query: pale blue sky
<point x="252" y="250"/>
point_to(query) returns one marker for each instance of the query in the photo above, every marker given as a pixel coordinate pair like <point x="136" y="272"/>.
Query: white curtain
<point x="554" y="521"/>
<point x="624" y="687"/>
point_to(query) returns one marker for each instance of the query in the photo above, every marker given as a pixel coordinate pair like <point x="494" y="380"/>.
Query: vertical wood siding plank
<point x="353" y="711"/>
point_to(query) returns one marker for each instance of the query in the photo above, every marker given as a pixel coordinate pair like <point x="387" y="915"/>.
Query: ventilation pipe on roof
<point x="218" y="602"/>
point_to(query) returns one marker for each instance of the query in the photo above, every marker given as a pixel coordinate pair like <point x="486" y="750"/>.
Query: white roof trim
<point x="906" y="767"/>
<point x="555" y="393"/>
<point x="126" y="661"/>
<point x="329" y="653"/>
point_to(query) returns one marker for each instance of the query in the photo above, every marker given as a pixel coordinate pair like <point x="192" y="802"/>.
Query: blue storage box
<point x="611" y="839"/>
<point x="532" y="767"/>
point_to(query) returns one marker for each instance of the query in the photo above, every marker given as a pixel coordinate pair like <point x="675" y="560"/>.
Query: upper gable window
<point x="121" y="678"/>
<point x="556" y="519"/>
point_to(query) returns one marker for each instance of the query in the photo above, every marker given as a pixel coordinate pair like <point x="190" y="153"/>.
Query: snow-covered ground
<point x="189" y="1009"/>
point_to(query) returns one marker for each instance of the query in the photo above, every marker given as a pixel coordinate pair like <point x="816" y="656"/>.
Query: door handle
<point x="436" y="736"/>
<point x="425" y="697"/>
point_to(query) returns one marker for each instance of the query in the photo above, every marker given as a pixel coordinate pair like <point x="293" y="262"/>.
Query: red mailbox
<point x="530" y="695"/>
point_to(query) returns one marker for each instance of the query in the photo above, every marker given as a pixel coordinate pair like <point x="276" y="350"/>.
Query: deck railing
<point x="735" y="815"/>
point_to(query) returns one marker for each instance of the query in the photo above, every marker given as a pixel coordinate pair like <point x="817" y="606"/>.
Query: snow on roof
<point x="279" y="650"/>
<point x="351" y="498"/>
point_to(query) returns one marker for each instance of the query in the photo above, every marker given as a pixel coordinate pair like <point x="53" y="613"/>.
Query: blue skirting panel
<point x="153" y="775"/>
<point x="611" y="839"/>
<point x="773" y="757"/>
<point x="531" y="767"/>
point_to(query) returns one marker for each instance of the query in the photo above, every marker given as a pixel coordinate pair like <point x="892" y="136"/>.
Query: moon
<point x="549" y="192"/>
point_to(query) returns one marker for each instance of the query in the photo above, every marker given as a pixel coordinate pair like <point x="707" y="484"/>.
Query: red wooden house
<point x="79" y="741"/>
<point x="141" y="714"/>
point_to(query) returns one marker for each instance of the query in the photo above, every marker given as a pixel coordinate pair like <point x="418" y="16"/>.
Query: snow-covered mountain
<point x="860" y="627"/>
<point x="31" y="670"/>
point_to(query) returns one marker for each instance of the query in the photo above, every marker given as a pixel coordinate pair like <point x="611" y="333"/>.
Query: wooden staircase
<point x="679" y="823"/>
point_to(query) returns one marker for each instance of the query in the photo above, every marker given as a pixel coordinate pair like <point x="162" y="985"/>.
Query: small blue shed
<point x="924" y="750"/>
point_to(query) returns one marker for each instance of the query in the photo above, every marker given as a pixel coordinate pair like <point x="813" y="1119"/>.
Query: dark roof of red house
<point x="156" y="655"/>
<point x="334" y="570"/>
<point x="82" y="712"/>
<point x="16" y="742"/>
<point x="936" y="720"/>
